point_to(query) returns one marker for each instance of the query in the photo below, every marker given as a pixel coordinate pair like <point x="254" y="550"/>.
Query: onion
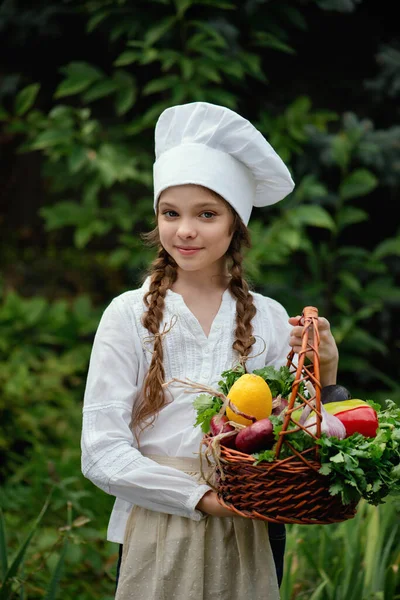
<point x="330" y="424"/>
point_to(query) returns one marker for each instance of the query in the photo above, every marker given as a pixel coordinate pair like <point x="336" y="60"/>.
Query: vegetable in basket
<point x="356" y="416"/>
<point x="334" y="393"/>
<point x="256" y="437"/>
<point x="251" y="395"/>
<point x="220" y="424"/>
<point x="358" y="465"/>
<point x="251" y="404"/>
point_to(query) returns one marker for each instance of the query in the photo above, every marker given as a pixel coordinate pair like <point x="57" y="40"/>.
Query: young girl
<point x="193" y="318"/>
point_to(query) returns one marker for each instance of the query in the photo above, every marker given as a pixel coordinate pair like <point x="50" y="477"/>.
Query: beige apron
<point x="166" y="557"/>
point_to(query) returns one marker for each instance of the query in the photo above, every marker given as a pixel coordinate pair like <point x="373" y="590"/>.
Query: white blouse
<point x="119" y="361"/>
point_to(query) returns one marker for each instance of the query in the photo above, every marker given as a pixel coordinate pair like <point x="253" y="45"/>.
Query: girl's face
<point x="195" y="227"/>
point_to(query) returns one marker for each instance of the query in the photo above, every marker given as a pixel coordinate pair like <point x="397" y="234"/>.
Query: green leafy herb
<point x="358" y="467"/>
<point x="229" y="378"/>
<point x="361" y="467"/>
<point x="206" y="407"/>
<point x="279" y="380"/>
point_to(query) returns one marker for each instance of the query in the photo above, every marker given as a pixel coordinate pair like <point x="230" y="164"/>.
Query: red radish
<point x="219" y="424"/>
<point x="281" y="406"/>
<point x="256" y="437"/>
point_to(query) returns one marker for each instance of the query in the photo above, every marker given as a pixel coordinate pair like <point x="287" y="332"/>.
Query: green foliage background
<point x="86" y="128"/>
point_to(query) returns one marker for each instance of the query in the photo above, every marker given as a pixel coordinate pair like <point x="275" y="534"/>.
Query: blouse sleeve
<point x="110" y="458"/>
<point x="280" y="332"/>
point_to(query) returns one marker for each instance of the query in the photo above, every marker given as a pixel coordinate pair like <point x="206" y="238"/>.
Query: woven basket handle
<point x="307" y="369"/>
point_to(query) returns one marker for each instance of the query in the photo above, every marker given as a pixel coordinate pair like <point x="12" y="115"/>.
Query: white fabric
<point x="167" y="557"/>
<point x="119" y="361"/>
<point x="212" y="146"/>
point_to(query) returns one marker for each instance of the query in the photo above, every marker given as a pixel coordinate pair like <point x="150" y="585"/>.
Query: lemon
<point x="251" y="395"/>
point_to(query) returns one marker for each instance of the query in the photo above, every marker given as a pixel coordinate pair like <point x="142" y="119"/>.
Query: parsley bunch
<point x="206" y="407"/>
<point x="279" y="380"/>
<point x="360" y="467"/>
<point x="357" y="466"/>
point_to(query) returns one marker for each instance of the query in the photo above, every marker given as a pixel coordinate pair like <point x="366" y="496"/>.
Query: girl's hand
<point x="209" y="504"/>
<point x="328" y="351"/>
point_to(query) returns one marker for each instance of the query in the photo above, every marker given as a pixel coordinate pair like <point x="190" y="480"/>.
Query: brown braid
<point x="163" y="273"/>
<point x="239" y="288"/>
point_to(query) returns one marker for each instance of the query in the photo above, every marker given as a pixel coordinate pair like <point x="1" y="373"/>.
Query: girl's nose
<point x="186" y="230"/>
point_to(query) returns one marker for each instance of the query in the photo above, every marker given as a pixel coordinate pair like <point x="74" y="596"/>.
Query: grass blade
<point x="372" y="548"/>
<point x="3" y="547"/>
<point x="13" y="569"/>
<point x="317" y="593"/>
<point x="53" y="587"/>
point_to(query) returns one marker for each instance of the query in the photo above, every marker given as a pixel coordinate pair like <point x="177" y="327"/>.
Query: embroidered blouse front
<point x="119" y="362"/>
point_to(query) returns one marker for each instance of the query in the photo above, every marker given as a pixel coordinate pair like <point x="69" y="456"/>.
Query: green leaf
<point x="252" y="64"/>
<point x="5" y="591"/>
<point x="52" y="590"/>
<point x="100" y="89"/>
<point x="150" y="55"/>
<point x="349" y="215"/>
<point x="207" y="407"/>
<point x="3" y="547"/>
<point x="83" y="235"/>
<point x="310" y="188"/>
<point x="325" y="469"/>
<point x="223" y="97"/>
<point x="279" y="380"/>
<point x="159" y="85"/>
<point x="358" y="183"/>
<point x="209" y="72"/>
<point x="157" y="31"/>
<point x="233" y="68"/>
<point x="127" y="92"/>
<point x="338" y="458"/>
<point x="390" y="247"/>
<point x="313" y="215"/>
<point x="203" y="402"/>
<point x="341" y="150"/>
<point x="268" y="40"/>
<point x="187" y="67"/>
<point x="50" y="138"/>
<point x="79" y="76"/>
<point x="350" y="282"/>
<point x="182" y="6"/>
<point x="26" y="98"/>
<point x="77" y="158"/>
<point x="96" y="19"/>
<point x="127" y="58"/>
<point x="214" y="38"/>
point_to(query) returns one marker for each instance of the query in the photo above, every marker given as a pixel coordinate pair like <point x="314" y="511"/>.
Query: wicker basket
<point x="288" y="490"/>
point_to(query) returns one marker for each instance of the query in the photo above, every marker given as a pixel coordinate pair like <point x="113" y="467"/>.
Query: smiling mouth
<point x="188" y="247"/>
<point x="188" y="251"/>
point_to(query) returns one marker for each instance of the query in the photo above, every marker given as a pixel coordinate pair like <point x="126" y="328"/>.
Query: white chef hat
<point x="212" y="146"/>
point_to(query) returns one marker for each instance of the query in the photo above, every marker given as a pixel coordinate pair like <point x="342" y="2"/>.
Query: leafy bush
<point x="354" y="560"/>
<point x="44" y="352"/>
<point x="92" y="134"/>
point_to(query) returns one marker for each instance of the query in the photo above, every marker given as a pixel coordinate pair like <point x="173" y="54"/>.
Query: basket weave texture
<point x="288" y="490"/>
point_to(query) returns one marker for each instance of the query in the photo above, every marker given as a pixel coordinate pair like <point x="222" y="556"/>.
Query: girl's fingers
<point x="323" y="324"/>
<point x="295" y="320"/>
